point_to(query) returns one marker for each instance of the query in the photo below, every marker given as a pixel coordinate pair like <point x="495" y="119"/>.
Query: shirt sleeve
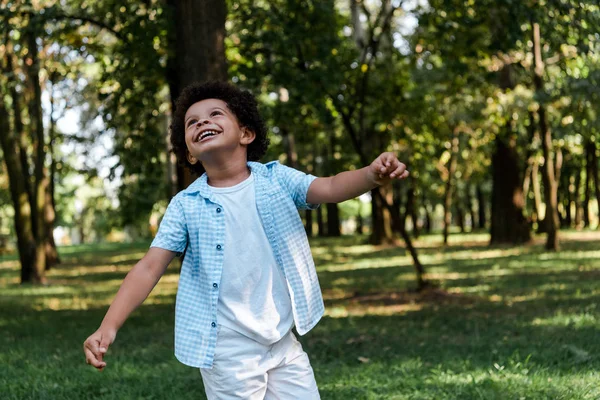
<point x="296" y="183"/>
<point x="172" y="233"/>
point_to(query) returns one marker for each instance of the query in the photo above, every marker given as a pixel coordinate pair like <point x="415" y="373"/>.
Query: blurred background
<point x="493" y="105"/>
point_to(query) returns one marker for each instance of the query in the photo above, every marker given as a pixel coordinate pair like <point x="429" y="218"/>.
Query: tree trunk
<point x="22" y="205"/>
<point x="377" y="230"/>
<point x="289" y="144"/>
<point x="567" y="199"/>
<point x="481" y="217"/>
<point x="550" y="174"/>
<point x="359" y="220"/>
<point x="577" y="200"/>
<point x="596" y="179"/>
<point x="51" y="252"/>
<point x="529" y="158"/>
<point x="449" y="184"/>
<point x="400" y="205"/>
<point x="537" y="194"/>
<point x="589" y="158"/>
<point x="379" y="219"/>
<point x="508" y="223"/>
<point x="527" y="182"/>
<point x="551" y="218"/>
<point x="398" y="227"/>
<point x="470" y="210"/>
<point x="320" y="224"/>
<point x="427" y="224"/>
<point x="333" y="214"/>
<point x="333" y="220"/>
<point x="460" y="217"/>
<point x="18" y="127"/>
<point x="39" y="143"/>
<point x="199" y="51"/>
<point x="81" y="227"/>
<point x="411" y="208"/>
<point x="308" y="216"/>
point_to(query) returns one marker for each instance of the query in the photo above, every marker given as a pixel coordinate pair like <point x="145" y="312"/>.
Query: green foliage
<point x="111" y="59"/>
<point x="272" y="50"/>
<point x="132" y="87"/>
<point x="479" y="54"/>
<point x="323" y="69"/>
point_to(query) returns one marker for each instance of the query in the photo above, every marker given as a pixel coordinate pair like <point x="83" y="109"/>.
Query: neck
<point x="226" y="174"/>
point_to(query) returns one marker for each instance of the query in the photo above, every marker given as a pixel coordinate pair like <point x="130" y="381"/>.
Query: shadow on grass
<point x="93" y="276"/>
<point x="507" y="326"/>
<point x="442" y="345"/>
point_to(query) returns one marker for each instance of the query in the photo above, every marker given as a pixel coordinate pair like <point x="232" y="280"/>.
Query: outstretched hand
<point x="96" y="346"/>
<point x="386" y="168"/>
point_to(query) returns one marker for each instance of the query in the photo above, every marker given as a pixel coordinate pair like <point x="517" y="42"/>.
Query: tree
<point x="332" y="80"/>
<point x="197" y="50"/>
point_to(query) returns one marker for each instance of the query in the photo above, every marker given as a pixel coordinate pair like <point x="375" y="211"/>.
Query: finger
<point x="104" y="343"/>
<point x="393" y="168"/>
<point x="400" y="168"/>
<point x="94" y="346"/>
<point x="91" y="344"/>
<point x="90" y="349"/>
<point x="91" y="359"/>
<point x="385" y="164"/>
<point x="404" y="175"/>
<point x="389" y="158"/>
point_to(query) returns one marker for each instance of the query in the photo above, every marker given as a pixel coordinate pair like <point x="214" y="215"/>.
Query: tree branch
<point x="50" y="15"/>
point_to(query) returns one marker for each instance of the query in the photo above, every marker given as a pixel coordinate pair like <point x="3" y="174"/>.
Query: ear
<point x="191" y="159"/>
<point x="248" y="136"/>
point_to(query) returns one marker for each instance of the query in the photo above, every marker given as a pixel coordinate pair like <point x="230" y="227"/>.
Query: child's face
<point x="211" y="127"/>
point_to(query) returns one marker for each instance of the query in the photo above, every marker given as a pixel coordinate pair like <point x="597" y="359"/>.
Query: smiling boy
<point x="248" y="276"/>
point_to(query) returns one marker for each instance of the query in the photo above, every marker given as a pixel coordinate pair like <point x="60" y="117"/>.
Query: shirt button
<point x="213" y="325"/>
<point x="215" y="285"/>
<point x="219" y="209"/>
<point x="218" y="247"/>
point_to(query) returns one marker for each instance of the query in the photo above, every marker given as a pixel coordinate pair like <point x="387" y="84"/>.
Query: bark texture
<point x="508" y="222"/>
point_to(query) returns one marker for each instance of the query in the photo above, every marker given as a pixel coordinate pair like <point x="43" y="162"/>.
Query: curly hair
<point x="241" y="103"/>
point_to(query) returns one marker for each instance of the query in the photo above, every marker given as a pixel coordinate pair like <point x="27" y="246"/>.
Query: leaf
<point x="364" y="360"/>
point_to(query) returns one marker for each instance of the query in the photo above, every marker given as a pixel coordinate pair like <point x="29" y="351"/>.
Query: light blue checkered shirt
<point x="194" y="219"/>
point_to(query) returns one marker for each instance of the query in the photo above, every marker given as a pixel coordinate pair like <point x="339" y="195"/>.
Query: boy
<point x="248" y="276"/>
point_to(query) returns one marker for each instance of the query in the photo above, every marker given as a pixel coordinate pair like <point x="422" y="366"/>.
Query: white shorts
<point x="245" y="369"/>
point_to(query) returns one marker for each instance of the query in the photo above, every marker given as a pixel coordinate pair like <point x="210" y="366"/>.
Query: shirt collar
<point x="200" y="185"/>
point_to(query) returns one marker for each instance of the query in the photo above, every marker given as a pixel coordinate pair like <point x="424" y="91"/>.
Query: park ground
<point x="500" y="323"/>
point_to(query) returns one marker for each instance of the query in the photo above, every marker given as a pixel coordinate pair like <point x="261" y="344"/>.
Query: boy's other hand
<point x="96" y="346"/>
<point x="387" y="167"/>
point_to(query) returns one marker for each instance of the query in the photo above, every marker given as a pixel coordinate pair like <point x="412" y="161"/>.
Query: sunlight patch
<point x="469" y="289"/>
<point x="583" y="320"/>
<point x="390" y="262"/>
<point x="371" y="310"/>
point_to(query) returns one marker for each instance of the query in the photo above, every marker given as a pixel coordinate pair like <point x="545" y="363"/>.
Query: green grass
<point x="502" y="323"/>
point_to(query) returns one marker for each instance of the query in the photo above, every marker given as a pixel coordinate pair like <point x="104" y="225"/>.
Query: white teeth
<point x="206" y="134"/>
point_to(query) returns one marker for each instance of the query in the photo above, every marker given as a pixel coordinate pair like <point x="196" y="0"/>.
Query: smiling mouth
<point x="206" y="134"/>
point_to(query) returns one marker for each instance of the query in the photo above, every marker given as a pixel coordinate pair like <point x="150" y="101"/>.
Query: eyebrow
<point x="211" y="110"/>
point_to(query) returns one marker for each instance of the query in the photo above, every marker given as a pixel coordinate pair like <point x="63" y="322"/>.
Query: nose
<point x="202" y="121"/>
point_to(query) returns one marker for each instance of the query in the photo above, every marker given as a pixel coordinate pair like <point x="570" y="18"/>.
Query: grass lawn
<point x="503" y="323"/>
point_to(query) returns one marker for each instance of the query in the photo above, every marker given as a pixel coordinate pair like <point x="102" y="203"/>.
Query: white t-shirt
<point x="254" y="299"/>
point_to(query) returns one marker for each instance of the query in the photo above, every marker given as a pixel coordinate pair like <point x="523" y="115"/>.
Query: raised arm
<point x="350" y="184"/>
<point x="136" y="286"/>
